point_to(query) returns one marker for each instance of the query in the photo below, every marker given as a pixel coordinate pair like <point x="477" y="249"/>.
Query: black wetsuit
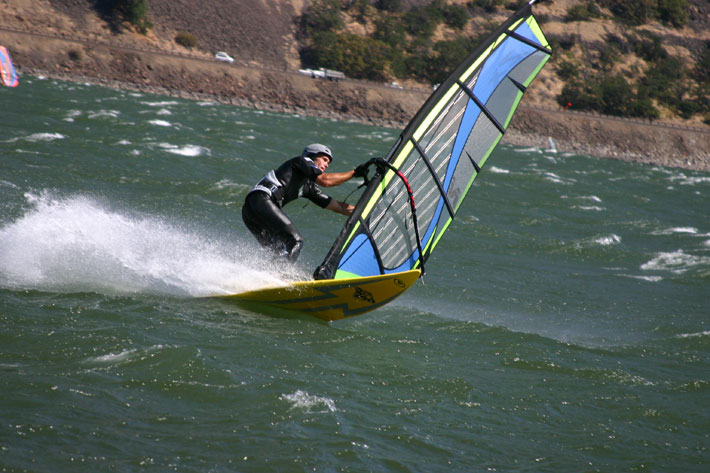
<point x="262" y="212"/>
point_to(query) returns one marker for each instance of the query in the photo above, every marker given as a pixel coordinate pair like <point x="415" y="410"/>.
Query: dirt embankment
<point x="71" y="42"/>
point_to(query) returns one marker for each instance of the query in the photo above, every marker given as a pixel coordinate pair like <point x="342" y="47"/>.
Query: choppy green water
<point x="563" y="324"/>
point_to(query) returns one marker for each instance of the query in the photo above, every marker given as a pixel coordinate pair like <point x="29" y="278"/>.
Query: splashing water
<point x="308" y="402"/>
<point x="76" y="244"/>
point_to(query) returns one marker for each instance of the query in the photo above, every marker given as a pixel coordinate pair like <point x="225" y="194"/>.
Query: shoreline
<point x="574" y="132"/>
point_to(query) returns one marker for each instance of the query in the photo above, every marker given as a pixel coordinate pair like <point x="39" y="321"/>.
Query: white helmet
<point x="316" y="149"/>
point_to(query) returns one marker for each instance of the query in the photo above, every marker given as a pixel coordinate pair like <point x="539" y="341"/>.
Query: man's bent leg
<point x="271" y="226"/>
<point x="293" y="248"/>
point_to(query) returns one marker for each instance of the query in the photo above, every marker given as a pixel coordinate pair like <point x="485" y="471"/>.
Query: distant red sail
<point x="7" y="70"/>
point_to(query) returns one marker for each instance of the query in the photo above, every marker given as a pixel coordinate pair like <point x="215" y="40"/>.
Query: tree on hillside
<point x="446" y="56"/>
<point x="117" y="11"/>
<point x="356" y="56"/>
<point x="389" y="5"/>
<point x="322" y="16"/>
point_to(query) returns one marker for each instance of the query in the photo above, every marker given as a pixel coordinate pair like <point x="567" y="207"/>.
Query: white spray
<point x="77" y="244"/>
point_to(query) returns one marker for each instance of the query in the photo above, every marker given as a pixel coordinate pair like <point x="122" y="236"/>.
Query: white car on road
<point x="222" y="56"/>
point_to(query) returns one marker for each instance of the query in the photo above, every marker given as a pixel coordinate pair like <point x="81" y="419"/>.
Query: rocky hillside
<point x="254" y="31"/>
<point x="265" y="33"/>
<point x="258" y="32"/>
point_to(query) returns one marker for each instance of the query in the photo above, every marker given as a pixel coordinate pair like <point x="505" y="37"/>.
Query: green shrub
<point x="702" y="68"/>
<point x="421" y="21"/>
<point x="488" y="5"/>
<point x="138" y="15"/>
<point x="673" y="12"/>
<point x="445" y="57"/>
<point x="632" y="12"/>
<point x="639" y="12"/>
<point x="583" y="12"/>
<point x="688" y="108"/>
<point x="567" y="70"/>
<point x="389" y="5"/>
<point x="75" y="55"/>
<point x="702" y="97"/>
<point x="564" y="43"/>
<point x="397" y="62"/>
<point x="665" y="83"/>
<point x="578" y="96"/>
<point x="664" y="80"/>
<point x="390" y="30"/>
<point x="616" y="97"/>
<point x="361" y="9"/>
<point x="608" y="56"/>
<point x="512" y="6"/>
<point x="610" y="95"/>
<point x="186" y="39"/>
<point x="577" y="13"/>
<point x="356" y="56"/>
<point x="455" y="16"/>
<point x="321" y="16"/>
<point x="135" y="11"/>
<point x="649" y="49"/>
<point x="643" y="106"/>
<point x="416" y="60"/>
<point x="618" y="43"/>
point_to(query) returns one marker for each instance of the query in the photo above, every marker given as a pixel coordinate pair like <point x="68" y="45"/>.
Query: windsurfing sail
<point x="7" y="70"/>
<point x="411" y="201"/>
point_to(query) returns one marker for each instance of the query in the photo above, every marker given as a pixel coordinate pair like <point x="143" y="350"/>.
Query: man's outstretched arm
<point x="330" y="179"/>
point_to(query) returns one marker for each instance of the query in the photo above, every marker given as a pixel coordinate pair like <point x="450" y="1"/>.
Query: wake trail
<point x="76" y="244"/>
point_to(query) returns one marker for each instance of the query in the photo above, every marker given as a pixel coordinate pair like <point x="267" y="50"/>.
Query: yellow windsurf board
<point x="333" y="299"/>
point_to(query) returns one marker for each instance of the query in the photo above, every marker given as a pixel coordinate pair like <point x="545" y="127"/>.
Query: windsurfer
<point x="298" y="177"/>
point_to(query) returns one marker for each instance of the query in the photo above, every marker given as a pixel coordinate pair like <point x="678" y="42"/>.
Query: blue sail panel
<point x="360" y="257"/>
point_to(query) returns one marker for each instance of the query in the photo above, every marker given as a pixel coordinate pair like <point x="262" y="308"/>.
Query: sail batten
<point x="439" y="155"/>
<point x="528" y="42"/>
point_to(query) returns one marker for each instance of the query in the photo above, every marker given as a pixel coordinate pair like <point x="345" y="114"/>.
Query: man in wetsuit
<point x="298" y="177"/>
